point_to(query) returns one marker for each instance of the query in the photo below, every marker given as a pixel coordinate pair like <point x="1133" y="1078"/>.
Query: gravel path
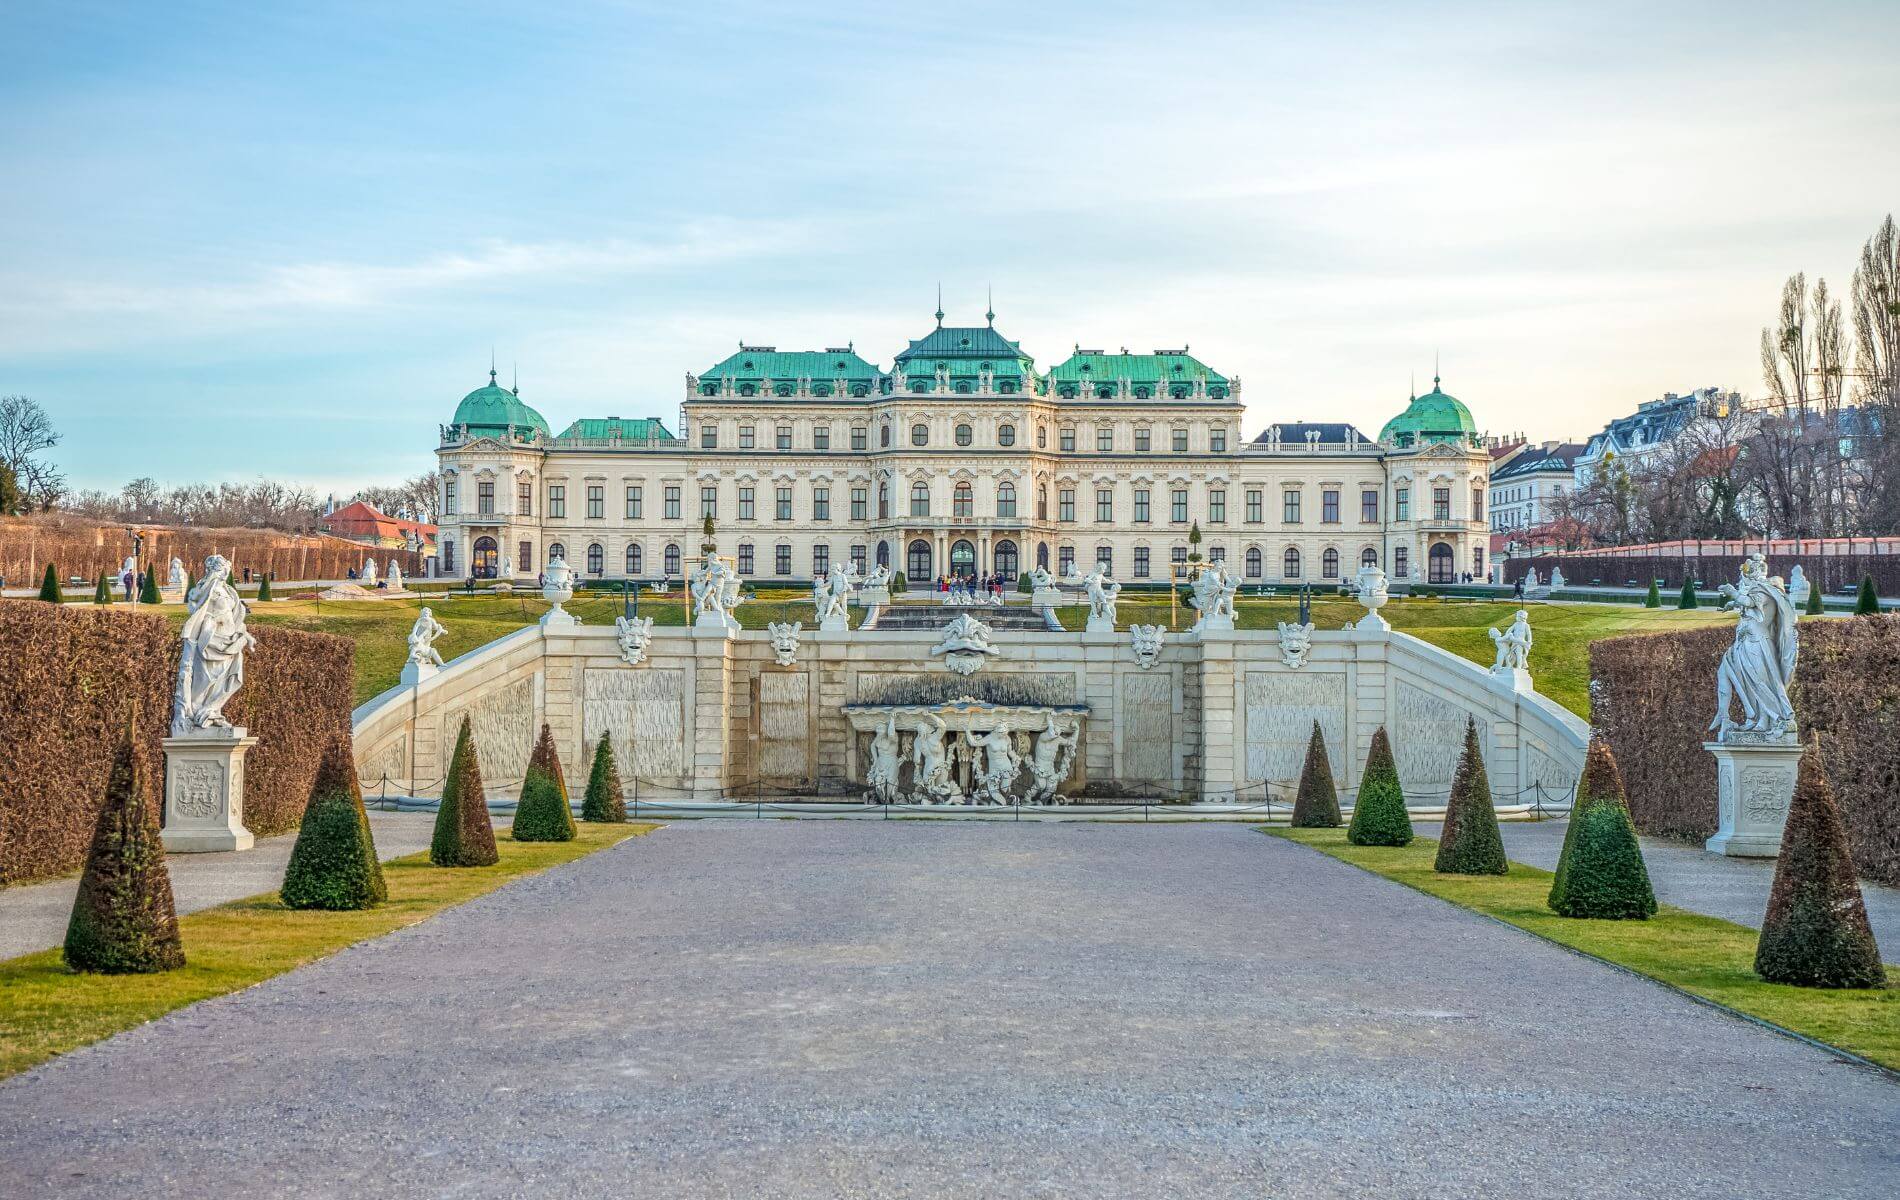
<point x="804" y="1009"/>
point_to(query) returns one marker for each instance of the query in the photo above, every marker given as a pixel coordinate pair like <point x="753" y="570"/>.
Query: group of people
<point x="966" y="588"/>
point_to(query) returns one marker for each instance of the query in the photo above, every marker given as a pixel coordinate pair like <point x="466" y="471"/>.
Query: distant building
<point x="1525" y="491"/>
<point x="360" y="521"/>
<point x="1653" y="426"/>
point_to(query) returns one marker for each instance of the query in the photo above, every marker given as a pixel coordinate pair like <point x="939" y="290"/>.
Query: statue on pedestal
<point x="1514" y="645"/>
<point x="395" y="576"/>
<point x="882" y="773"/>
<point x="177" y="581"/>
<point x="211" y="662"/>
<point x="367" y="577"/>
<point x="715" y="591"/>
<point x="1050" y="761"/>
<point x="1000" y="765"/>
<point x="422" y="637"/>
<point x="931" y="762"/>
<point x="1758" y="668"/>
<point x="1102" y="597"/>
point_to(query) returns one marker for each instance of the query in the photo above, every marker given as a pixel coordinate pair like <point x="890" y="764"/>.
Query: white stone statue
<point x="658" y="587"/>
<point x="1556" y="578"/>
<point x="784" y="640"/>
<point x="931" y="762"/>
<point x="367" y="576"/>
<point x="1214" y="591"/>
<point x="1530" y="580"/>
<point x="1758" y="668"/>
<point x="1049" y="762"/>
<point x="1370" y="587"/>
<point x="633" y="635"/>
<point x="882" y="774"/>
<point x="832" y="597"/>
<point x="879" y="579"/>
<point x="1514" y="645"/>
<point x="965" y="644"/>
<point x="1000" y="765"/>
<point x="1145" y="640"/>
<point x="1041" y="580"/>
<point x="395" y="576"/>
<point x="178" y="574"/>
<point x="1798" y="586"/>
<point x="557" y="588"/>
<point x="715" y="591"/>
<point x="422" y="636"/>
<point x="211" y="663"/>
<point x="1296" y="642"/>
<point x="1102" y="596"/>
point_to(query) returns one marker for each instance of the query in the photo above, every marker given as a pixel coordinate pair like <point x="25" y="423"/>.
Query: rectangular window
<point x="1255" y="502"/>
<point x="557" y="500"/>
<point x="1177" y="506"/>
<point x="1104" y="505"/>
<point x="857" y="558"/>
<point x="860" y="504"/>
<point x="857" y="437"/>
<point x="709" y="437"/>
<point x="1217" y="506"/>
<point x="1105" y="559"/>
<point x="747" y="509"/>
<point x="448" y="557"/>
<point x="784" y="442"/>
<point x="745" y="560"/>
<point x="1217" y="554"/>
<point x="1441" y="504"/>
<point x="1477" y="504"/>
<point x="672" y="503"/>
<point x="1141" y="562"/>
<point x="524" y="499"/>
<point x="920" y="500"/>
<point x="1065" y="504"/>
<point x="485" y="499"/>
<point x="1178" y="556"/>
<point x="1369" y="506"/>
<point x="636" y="506"/>
<point x="1141" y="506"/>
<point x="820" y="559"/>
<point x="1402" y="505"/>
<point x="821" y="504"/>
<point x="1217" y="441"/>
<point x="1180" y="441"/>
<point x="1104" y="438"/>
<point x="782" y="560"/>
<point x="1067" y="442"/>
<point x="1143" y="438"/>
<point x="745" y="437"/>
<point x="596" y="501"/>
<point x="782" y="504"/>
<point x="1006" y="501"/>
<point x="1329" y="506"/>
<point x="708" y="501"/>
<point x="1290" y="507"/>
<point x="448" y="504"/>
<point x="821" y="437"/>
<point x="1065" y="561"/>
<point x="524" y="557"/>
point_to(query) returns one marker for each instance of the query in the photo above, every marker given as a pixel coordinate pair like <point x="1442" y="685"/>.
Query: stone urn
<point x="557" y="588"/>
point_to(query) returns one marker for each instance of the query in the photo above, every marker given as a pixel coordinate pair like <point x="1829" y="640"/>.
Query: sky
<point x="241" y="240"/>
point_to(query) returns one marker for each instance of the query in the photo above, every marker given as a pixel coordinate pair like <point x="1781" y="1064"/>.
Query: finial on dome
<point x="940" y="305"/>
<point x="989" y="308"/>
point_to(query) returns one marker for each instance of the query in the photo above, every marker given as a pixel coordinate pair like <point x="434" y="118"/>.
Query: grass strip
<point x="1704" y="956"/>
<point x="46" y="1010"/>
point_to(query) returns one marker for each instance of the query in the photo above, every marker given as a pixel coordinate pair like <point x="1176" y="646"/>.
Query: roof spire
<point x="1434" y="370"/>
<point x="989" y="308"/>
<point x="940" y="304"/>
<point x="491" y="364"/>
<point x="516" y="390"/>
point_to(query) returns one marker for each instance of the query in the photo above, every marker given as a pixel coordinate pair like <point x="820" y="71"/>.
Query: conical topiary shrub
<point x="124" y="921"/>
<point x="1654" y="598"/>
<point x="1378" y="816"/>
<point x="603" y="801"/>
<point x="49" y="586"/>
<point x="1601" y="873"/>
<point x="102" y="591"/>
<point x="1687" y="600"/>
<point x="333" y="865"/>
<point x="1815" y="605"/>
<point x="1868" y="599"/>
<point x="1470" y="843"/>
<point x="1816" y="932"/>
<point x="464" y="837"/>
<point x="1317" y="805"/>
<point x="148" y="588"/>
<point x="263" y="589"/>
<point x="543" y="814"/>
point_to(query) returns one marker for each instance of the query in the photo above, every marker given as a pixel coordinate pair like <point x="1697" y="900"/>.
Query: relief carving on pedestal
<point x="198" y="790"/>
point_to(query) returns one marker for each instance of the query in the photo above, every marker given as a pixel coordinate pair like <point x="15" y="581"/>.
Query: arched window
<point x="1007" y="387"/>
<point x="962" y="558"/>
<point x="917" y="561"/>
<point x="919" y="386"/>
<point x="1005" y="556"/>
<point x="963" y="387"/>
<point x="1329" y="564"/>
<point x="1042" y="439"/>
<point x="919" y="435"/>
<point x="883" y="554"/>
<point x="965" y="435"/>
<point x="1442" y="564"/>
<point x="672" y="559"/>
<point x="1290" y="563"/>
<point x="633" y="561"/>
<point x="557" y="550"/>
<point x="884" y="437"/>
<point x="1368" y="557"/>
<point x="962" y="501"/>
<point x="920" y="499"/>
<point x="1006" y="435"/>
<point x="486" y="559"/>
<point x="596" y="559"/>
<point x="1005" y="499"/>
<point x="1253" y="562"/>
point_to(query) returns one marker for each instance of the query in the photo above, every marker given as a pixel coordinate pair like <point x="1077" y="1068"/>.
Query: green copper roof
<point x="493" y="409"/>
<point x="1163" y="370"/>
<point x="755" y="364"/>
<point x="975" y="341"/>
<point x="1433" y="417"/>
<point x="629" y="429"/>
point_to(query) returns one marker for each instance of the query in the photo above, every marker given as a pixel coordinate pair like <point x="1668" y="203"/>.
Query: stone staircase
<point x="936" y="616"/>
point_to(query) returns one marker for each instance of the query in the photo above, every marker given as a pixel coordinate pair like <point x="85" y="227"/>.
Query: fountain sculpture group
<point x="968" y="752"/>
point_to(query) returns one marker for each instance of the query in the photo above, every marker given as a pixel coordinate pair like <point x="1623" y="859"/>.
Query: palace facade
<point x="962" y="457"/>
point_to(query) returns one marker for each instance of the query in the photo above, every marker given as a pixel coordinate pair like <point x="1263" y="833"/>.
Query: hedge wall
<point x="81" y="547"/>
<point x="1652" y="696"/>
<point x="74" y="670"/>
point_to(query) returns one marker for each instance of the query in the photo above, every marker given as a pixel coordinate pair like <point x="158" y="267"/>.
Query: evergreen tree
<point x="1470" y="843"/>
<point x="897" y="584"/>
<point x="334" y="865"/>
<point x="124" y="922"/>
<point x="542" y="815"/>
<point x="1816" y="932"/>
<point x="1601" y="872"/>
<point x="603" y="801"/>
<point x="1815" y="607"/>
<point x="148" y="588"/>
<point x="464" y="837"/>
<point x="1317" y="805"/>
<point x="1688" y="599"/>
<point x="49" y="586"/>
<point x="1378" y="816"/>
<point x="1654" y="598"/>
<point x="263" y="589"/>
<point x="102" y="591"/>
<point x="1868" y="601"/>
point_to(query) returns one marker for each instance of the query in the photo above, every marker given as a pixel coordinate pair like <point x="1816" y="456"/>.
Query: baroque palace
<point x="962" y="458"/>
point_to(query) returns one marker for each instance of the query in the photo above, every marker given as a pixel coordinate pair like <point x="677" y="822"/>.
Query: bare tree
<point x="1876" y="301"/>
<point x="26" y="432"/>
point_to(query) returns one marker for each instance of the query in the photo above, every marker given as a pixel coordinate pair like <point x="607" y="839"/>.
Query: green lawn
<point x="47" y="1010"/>
<point x="1701" y="955"/>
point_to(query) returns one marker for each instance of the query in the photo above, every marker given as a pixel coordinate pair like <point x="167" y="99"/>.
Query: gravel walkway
<point x="803" y="1009"/>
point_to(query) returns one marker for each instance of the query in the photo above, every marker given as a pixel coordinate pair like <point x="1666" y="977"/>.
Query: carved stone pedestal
<point x="204" y="792"/>
<point x="835" y="625"/>
<point x="1754" y="786"/>
<point x="874" y="597"/>
<point x="1214" y="624"/>
<point x="1099" y="625"/>
<point x="1512" y="679"/>
<point x="414" y="672"/>
<point x="1047" y="598"/>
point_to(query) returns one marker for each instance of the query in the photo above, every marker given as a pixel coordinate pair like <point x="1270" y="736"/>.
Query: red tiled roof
<point x="360" y="519"/>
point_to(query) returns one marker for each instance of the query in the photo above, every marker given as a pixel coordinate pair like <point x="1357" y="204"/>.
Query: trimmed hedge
<point x="1601" y="872"/>
<point x="1866" y="600"/>
<point x="542" y="814"/>
<point x="148" y="588"/>
<point x="604" y="801"/>
<point x="49" y="586"/>
<point x="102" y="591"/>
<point x="1816" y="932"/>
<point x="1654" y="598"/>
<point x="1317" y="805"/>
<point x="1651" y="697"/>
<point x="124" y="921"/>
<point x="1470" y="843"/>
<point x="1378" y="815"/>
<point x="333" y="865"/>
<point x="1687" y="599"/>
<point x="464" y="835"/>
<point x="1816" y="605"/>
